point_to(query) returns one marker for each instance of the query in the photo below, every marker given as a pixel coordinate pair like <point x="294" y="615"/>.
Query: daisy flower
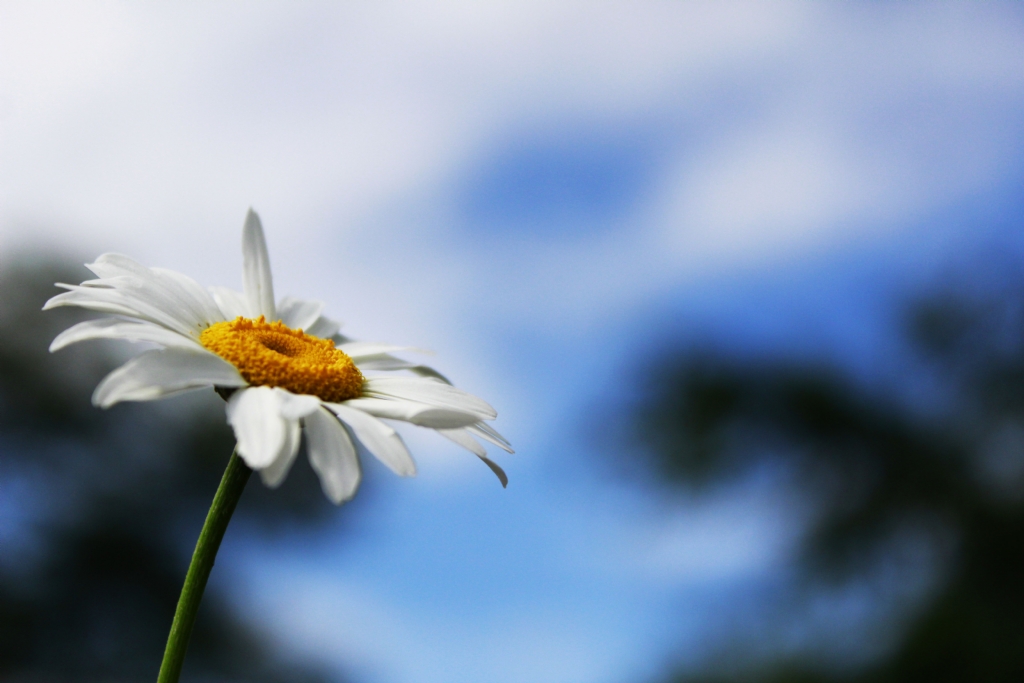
<point x="282" y="366"/>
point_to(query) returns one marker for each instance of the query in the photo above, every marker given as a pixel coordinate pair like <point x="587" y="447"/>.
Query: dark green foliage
<point x="876" y="463"/>
<point x="117" y="498"/>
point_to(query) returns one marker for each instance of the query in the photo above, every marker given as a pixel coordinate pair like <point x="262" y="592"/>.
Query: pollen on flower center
<point x="275" y="355"/>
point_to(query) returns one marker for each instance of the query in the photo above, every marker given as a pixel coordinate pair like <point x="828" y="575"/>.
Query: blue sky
<point x="545" y="195"/>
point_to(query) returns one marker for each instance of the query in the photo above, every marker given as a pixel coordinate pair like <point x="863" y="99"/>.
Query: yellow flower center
<point x="275" y="355"/>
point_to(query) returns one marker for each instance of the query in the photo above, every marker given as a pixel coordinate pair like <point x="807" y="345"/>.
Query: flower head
<point x="282" y="364"/>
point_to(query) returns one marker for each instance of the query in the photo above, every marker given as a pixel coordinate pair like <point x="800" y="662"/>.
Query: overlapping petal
<point x="162" y="372"/>
<point x="325" y="328"/>
<point x="332" y="455"/>
<point x="276" y="472"/>
<point x="115" y="328"/>
<point x="429" y="391"/>
<point x="462" y="437"/>
<point x="357" y="349"/>
<point x="422" y="414"/>
<point x="232" y="304"/>
<point x="298" y="314"/>
<point x="121" y="300"/>
<point x="388" y="363"/>
<point x="161" y="296"/>
<point x="378" y="438"/>
<point x="264" y="435"/>
<point x="488" y="433"/>
<point x="295" y="406"/>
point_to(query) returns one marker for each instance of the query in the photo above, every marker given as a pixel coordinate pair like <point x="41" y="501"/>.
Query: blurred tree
<point x="109" y="504"/>
<point x="938" y="457"/>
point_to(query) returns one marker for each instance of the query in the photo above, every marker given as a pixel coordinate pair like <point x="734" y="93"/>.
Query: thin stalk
<point x="230" y="490"/>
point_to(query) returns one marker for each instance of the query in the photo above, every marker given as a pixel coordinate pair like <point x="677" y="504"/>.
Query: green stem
<point x="230" y="490"/>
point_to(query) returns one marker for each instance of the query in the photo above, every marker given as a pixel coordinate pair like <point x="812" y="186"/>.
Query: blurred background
<point x="743" y="280"/>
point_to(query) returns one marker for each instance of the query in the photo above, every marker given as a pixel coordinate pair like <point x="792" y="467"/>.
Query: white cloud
<point x="873" y="119"/>
<point x="352" y="624"/>
<point x="115" y="112"/>
<point x="149" y="129"/>
<point x="729" y="538"/>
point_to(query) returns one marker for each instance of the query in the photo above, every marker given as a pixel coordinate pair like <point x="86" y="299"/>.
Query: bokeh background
<point x="743" y="280"/>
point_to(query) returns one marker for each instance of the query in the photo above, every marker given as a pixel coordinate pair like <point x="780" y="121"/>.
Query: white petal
<point x="462" y="437"/>
<point x="430" y="391"/>
<point x="125" y="301"/>
<point x="262" y="433"/>
<point x="332" y="455"/>
<point x="193" y="293"/>
<point x="381" y="363"/>
<point x="361" y="349"/>
<point x="166" y="289"/>
<point x="299" y="314"/>
<point x="232" y="304"/>
<point x="324" y="327"/>
<point x="115" y="328"/>
<point x="388" y="363"/>
<point x="378" y="438"/>
<point x="257" y="280"/>
<point x="414" y="412"/>
<point x="498" y="472"/>
<point x="427" y="371"/>
<point x="295" y="406"/>
<point x="266" y="424"/>
<point x="276" y="472"/>
<point x="159" y="373"/>
<point x="113" y="265"/>
<point x="488" y="433"/>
